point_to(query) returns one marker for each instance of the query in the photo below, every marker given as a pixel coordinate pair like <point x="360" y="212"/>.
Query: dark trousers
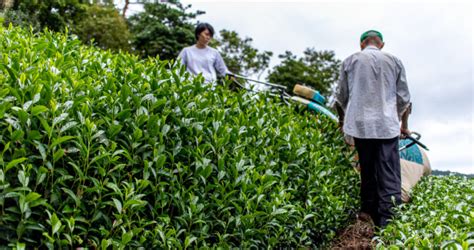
<point x="380" y="177"/>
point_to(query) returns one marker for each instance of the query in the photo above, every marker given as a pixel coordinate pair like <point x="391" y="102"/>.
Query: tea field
<point x="106" y="150"/>
<point x="440" y="216"/>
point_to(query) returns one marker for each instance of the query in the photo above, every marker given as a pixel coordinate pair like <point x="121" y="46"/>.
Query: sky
<point x="434" y="40"/>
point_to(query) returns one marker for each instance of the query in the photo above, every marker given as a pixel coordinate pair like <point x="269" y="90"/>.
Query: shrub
<point x="106" y="150"/>
<point x="105" y="27"/>
<point x="21" y="19"/>
<point x="441" y="215"/>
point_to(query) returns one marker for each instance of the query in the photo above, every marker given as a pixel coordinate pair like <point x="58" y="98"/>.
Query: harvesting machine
<point x="413" y="158"/>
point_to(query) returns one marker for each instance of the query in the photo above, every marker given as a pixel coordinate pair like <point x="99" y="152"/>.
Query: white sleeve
<point x="184" y="57"/>
<point x="219" y="64"/>
<point x="403" y="94"/>
<point x="342" y="91"/>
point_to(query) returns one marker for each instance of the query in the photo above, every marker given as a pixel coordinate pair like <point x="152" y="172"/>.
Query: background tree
<point x="239" y="55"/>
<point x="163" y="29"/>
<point x="52" y="14"/>
<point x="21" y="19"/>
<point x="127" y="3"/>
<point x="99" y="21"/>
<point x="316" y="69"/>
<point x="6" y="4"/>
<point x="105" y="26"/>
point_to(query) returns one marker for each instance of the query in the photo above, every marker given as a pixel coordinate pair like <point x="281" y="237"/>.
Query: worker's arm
<point x="220" y="66"/>
<point x="340" y="114"/>
<point x="183" y="56"/>
<point x="404" y="127"/>
<point x="403" y="99"/>
<point x="342" y="95"/>
<point x="403" y="94"/>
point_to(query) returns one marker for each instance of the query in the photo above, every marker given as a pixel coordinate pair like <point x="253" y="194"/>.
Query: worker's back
<point x="372" y="77"/>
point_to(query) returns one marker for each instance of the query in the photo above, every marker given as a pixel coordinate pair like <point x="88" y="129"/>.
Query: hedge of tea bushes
<point x="440" y="216"/>
<point x="105" y="150"/>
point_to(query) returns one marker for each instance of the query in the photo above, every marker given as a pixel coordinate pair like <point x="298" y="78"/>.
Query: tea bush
<point x="106" y="150"/>
<point x="441" y="215"/>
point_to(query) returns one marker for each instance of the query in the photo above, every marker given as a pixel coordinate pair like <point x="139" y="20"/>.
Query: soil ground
<point x="358" y="235"/>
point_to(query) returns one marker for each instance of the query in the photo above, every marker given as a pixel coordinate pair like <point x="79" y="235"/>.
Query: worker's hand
<point x="231" y="76"/>
<point x="404" y="132"/>
<point x="341" y="124"/>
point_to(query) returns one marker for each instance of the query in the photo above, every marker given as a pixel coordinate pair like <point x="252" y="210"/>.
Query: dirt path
<point x="358" y="235"/>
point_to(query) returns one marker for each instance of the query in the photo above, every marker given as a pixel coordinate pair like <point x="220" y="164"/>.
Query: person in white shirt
<point x="372" y="99"/>
<point x="202" y="59"/>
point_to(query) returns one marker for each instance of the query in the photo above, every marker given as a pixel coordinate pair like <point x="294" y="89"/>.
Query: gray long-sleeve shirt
<point x="373" y="93"/>
<point x="207" y="61"/>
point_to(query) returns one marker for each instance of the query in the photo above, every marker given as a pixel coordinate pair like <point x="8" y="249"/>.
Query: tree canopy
<point x="52" y="14"/>
<point x="239" y="54"/>
<point x="98" y="21"/>
<point x="163" y="29"/>
<point x="316" y="69"/>
<point x="105" y="26"/>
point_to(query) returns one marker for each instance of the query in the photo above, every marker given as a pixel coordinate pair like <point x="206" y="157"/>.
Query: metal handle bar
<point x="257" y="81"/>
<point x="414" y="141"/>
<point x="282" y="93"/>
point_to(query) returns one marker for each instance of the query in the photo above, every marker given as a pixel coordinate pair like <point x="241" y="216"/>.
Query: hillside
<point x="447" y="173"/>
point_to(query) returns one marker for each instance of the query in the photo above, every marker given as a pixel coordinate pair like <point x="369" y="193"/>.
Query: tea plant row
<point x="440" y="216"/>
<point x="105" y="150"/>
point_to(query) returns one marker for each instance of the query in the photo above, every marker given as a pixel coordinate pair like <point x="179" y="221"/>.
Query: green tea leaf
<point x="27" y="105"/>
<point x="11" y="72"/>
<point x="17" y="135"/>
<point x="308" y="216"/>
<point x="55" y="224"/>
<point x="118" y="205"/>
<point x="20" y="246"/>
<point x="15" y="162"/>
<point x="58" y="154"/>
<point x="105" y="244"/>
<point x="23" y="204"/>
<point x="46" y="126"/>
<point x="7" y="146"/>
<point x="127" y="237"/>
<point x="189" y="240"/>
<point x="160" y="161"/>
<point x="24" y="180"/>
<point x="41" y="149"/>
<point x="68" y="126"/>
<point x="60" y="140"/>
<point x="32" y="197"/>
<point x="72" y="195"/>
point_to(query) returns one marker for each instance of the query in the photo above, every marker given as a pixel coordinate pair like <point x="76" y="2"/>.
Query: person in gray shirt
<point x="202" y="59"/>
<point x="372" y="98"/>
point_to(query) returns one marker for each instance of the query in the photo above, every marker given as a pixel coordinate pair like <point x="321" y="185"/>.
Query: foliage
<point x="21" y="19"/>
<point x="104" y="150"/>
<point x="105" y="26"/>
<point x="163" y="29"/>
<point x="441" y="215"/>
<point x="316" y="69"/>
<point x="100" y="22"/>
<point x="126" y="4"/>
<point x="239" y="55"/>
<point x="52" y="14"/>
<point x="5" y="4"/>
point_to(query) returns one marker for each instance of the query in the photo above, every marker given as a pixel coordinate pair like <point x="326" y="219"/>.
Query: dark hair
<point x="202" y="27"/>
